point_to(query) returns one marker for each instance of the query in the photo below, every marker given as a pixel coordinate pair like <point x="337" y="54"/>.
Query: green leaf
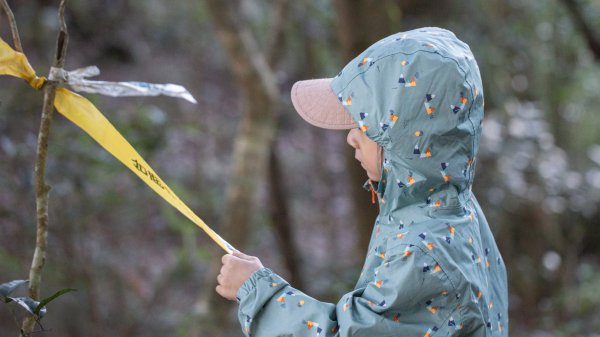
<point x="41" y="306"/>
<point x="7" y="288"/>
<point x="29" y="304"/>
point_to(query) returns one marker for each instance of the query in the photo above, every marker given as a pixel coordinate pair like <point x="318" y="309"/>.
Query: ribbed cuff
<point x="249" y="285"/>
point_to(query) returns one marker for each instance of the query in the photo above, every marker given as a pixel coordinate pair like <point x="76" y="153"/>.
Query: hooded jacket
<point x="432" y="267"/>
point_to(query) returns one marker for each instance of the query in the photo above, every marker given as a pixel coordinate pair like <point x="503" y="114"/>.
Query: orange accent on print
<point x="428" y="153"/>
<point x="413" y="82"/>
<point x="433" y="310"/>
<point x="281" y="299"/>
<point x="310" y="324"/>
<point x="451" y="229"/>
<point x="430" y="246"/>
<point x="437" y="268"/>
<point x="364" y="128"/>
<point x="407" y="252"/>
<point x="438" y="203"/>
<point x="301" y="302"/>
<point x="379" y="283"/>
<point x="430" y="110"/>
<point x="396" y="318"/>
<point x="372" y="194"/>
<point x="411" y="180"/>
<point x="418" y="133"/>
<point x="447" y="178"/>
<point x="346" y="306"/>
<point x="479" y="294"/>
<point x="393" y="118"/>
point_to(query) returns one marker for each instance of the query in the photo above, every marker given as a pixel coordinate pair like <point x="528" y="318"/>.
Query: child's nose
<point x="351" y="139"/>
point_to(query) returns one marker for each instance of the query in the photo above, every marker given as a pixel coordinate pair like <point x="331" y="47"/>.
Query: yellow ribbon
<point x="84" y="114"/>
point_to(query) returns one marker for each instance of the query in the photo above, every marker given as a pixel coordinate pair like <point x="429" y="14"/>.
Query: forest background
<point x="271" y="184"/>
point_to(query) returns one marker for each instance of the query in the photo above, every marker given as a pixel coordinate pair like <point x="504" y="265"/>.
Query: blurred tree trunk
<point x="360" y="24"/>
<point x="591" y="38"/>
<point x="280" y="216"/>
<point x="252" y="155"/>
<point x="279" y="210"/>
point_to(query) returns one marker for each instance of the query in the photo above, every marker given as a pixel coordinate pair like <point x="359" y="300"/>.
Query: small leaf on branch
<point x="42" y="304"/>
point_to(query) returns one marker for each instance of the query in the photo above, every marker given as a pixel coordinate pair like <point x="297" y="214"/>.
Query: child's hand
<point x="236" y="269"/>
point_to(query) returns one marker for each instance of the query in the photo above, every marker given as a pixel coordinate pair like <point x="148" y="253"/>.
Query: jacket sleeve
<point x="410" y="294"/>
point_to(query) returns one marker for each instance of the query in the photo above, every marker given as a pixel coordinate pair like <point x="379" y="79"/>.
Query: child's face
<point x="367" y="152"/>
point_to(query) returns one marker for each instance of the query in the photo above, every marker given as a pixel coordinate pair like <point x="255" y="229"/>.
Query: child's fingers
<point x="241" y="255"/>
<point x="221" y="291"/>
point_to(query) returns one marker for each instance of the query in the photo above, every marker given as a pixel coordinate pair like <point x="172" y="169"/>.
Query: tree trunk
<point x="251" y="149"/>
<point x="355" y="33"/>
<point x="281" y="220"/>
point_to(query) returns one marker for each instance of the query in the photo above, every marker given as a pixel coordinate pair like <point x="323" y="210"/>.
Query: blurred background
<point x="273" y="185"/>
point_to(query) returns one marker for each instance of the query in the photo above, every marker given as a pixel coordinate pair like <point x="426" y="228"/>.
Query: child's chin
<point x="373" y="178"/>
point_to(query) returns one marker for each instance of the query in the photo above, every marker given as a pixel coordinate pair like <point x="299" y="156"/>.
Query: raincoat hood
<point x="415" y="94"/>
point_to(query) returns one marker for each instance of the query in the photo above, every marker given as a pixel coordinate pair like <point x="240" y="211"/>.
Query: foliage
<point x="141" y="266"/>
<point x="37" y="309"/>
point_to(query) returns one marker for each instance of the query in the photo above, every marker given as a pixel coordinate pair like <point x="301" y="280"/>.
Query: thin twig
<point x="41" y="188"/>
<point x="13" y="26"/>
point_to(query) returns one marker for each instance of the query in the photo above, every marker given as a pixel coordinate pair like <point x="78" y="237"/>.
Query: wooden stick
<point x="41" y="188"/>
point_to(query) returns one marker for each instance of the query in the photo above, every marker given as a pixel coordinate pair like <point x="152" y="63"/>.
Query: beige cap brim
<point x="317" y="104"/>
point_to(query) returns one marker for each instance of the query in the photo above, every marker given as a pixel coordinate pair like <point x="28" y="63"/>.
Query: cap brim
<point x="317" y="104"/>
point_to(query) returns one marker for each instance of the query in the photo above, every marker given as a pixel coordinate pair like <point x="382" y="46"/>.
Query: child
<point x="432" y="268"/>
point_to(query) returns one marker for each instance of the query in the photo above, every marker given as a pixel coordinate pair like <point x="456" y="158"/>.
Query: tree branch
<point x="592" y="39"/>
<point x="41" y="188"/>
<point x="13" y="26"/>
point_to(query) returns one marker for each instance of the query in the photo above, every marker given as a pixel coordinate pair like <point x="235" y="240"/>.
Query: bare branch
<point x="41" y="188"/>
<point x="13" y="26"/>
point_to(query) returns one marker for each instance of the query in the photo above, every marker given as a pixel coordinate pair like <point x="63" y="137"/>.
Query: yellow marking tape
<point x="84" y="114"/>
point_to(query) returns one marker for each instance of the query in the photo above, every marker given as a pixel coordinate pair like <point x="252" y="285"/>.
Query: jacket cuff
<point x="249" y="286"/>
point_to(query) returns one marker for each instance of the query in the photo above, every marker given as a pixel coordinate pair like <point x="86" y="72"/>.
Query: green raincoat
<point x="432" y="267"/>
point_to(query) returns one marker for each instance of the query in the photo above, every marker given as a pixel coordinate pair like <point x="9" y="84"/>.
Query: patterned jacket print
<point x="433" y="267"/>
